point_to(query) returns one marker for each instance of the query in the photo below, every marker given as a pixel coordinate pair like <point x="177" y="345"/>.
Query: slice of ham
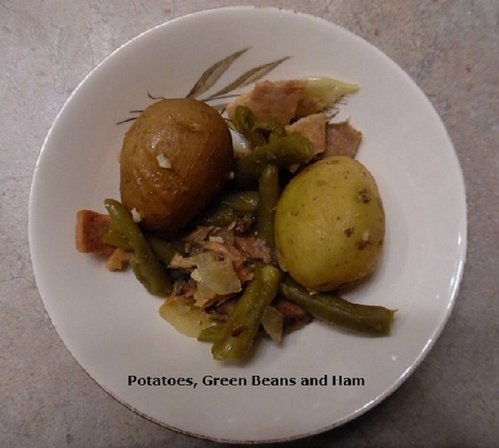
<point x="90" y="229"/>
<point x="119" y="259"/>
<point x="253" y="248"/>
<point x="342" y="140"/>
<point x="312" y="127"/>
<point x="308" y="105"/>
<point x="271" y="101"/>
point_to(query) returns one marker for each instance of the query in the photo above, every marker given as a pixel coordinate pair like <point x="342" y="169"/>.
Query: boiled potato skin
<point x="195" y="140"/>
<point x="330" y="224"/>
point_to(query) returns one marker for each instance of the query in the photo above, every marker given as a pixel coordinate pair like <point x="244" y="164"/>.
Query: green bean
<point x="164" y="250"/>
<point x="244" y="121"/>
<point x="211" y="333"/>
<point x="115" y="238"/>
<point x="237" y="335"/>
<point x="257" y="132"/>
<point x="230" y="205"/>
<point x="272" y="128"/>
<point x="376" y="320"/>
<point x="268" y="191"/>
<point x="241" y="201"/>
<point x="282" y="152"/>
<point x="223" y="346"/>
<point x="144" y="262"/>
<point x="219" y="216"/>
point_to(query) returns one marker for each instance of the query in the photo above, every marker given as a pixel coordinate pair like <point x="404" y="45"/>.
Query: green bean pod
<point x="230" y="206"/>
<point x="241" y="201"/>
<point x="268" y="192"/>
<point x="115" y="238"/>
<point x="285" y="151"/>
<point x="272" y="128"/>
<point x="369" y="319"/>
<point x="257" y="132"/>
<point x="210" y="334"/>
<point x="236" y="338"/>
<point x="220" y="216"/>
<point x="244" y="122"/>
<point x="144" y="262"/>
<point x="164" y="250"/>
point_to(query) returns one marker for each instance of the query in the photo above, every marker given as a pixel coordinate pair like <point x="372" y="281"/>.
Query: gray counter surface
<point x="449" y="47"/>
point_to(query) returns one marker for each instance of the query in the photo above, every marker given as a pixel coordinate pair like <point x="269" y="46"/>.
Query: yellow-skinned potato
<point x="330" y="224"/>
<point x="175" y="158"/>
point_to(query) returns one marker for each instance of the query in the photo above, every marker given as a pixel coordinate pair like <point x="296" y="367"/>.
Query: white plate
<point x="111" y="325"/>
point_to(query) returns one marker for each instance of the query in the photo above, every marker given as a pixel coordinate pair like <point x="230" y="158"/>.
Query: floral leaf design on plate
<point x="213" y="74"/>
<point x="248" y="77"/>
<point x="210" y="77"/>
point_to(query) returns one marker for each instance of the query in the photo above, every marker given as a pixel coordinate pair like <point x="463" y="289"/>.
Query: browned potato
<point x="175" y="157"/>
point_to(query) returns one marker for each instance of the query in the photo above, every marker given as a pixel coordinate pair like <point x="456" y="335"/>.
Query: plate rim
<point x="453" y="295"/>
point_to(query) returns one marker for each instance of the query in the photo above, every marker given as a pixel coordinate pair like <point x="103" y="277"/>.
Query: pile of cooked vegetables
<point x="246" y="236"/>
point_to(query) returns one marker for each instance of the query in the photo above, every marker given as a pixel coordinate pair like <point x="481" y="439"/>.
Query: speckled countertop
<point x="449" y="47"/>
